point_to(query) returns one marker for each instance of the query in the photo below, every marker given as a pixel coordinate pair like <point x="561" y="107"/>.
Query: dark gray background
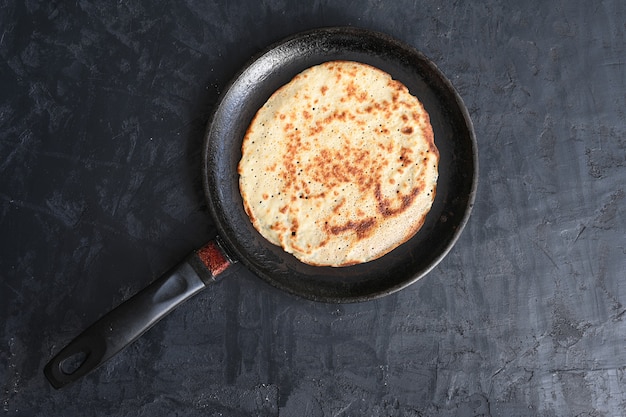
<point x="102" y="111"/>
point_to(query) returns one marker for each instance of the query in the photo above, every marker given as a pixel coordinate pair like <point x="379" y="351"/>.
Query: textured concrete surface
<point x="102" y="111"/>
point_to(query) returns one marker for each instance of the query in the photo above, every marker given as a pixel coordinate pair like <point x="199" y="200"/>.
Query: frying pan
<point x="238" y="240"/>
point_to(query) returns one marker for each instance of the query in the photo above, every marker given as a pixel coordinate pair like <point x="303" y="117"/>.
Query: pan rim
<point x="210" y="186"/>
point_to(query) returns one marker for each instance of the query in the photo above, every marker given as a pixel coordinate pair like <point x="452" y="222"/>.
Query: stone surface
<point x="103" y="106"/>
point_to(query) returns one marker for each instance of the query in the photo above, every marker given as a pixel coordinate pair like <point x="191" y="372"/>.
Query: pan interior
<point x="454" y="138"/>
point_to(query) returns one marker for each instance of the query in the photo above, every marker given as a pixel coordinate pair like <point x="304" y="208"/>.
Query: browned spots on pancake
<point x="338" y="206"/>
<point x="386" y="148"/>
<point x="306" y="115"/>
<point x="306" y="188"/>
<point x="405" y="155"/>
<point x="248" y="211"/>
<point x="384" y="107"/>
<point x="346" y="165"/>
<point x="407" y="130"/>
<point x="290" y="165"/>
<point x="351" y="89"/>
<point x="336" y="115"/>
<point x="428" y="136"/>
<point x="324" y="89"/>
<point x="386" y="205"/>
<point x="432" y="147"/>
<point x="362" y="228"/>
<point x="294" y="226"/>
<point x="278" y="227"/>
<point x="396" y="85"/>
<point x="314" y="130"/>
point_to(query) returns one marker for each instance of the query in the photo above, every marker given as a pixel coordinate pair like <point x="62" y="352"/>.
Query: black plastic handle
<point x="127" y="322"/>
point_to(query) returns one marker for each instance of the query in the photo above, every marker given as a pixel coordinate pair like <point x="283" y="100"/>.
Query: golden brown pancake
<point x="339" y="166"/>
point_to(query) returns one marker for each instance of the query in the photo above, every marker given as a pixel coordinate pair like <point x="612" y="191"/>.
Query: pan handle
<point x="127" y="322"/>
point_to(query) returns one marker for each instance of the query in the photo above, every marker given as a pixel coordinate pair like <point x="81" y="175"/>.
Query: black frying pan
<point x="238" y="240"/>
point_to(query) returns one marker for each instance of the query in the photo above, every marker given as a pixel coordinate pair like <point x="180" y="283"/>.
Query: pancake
<point x="339" y="166"/>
